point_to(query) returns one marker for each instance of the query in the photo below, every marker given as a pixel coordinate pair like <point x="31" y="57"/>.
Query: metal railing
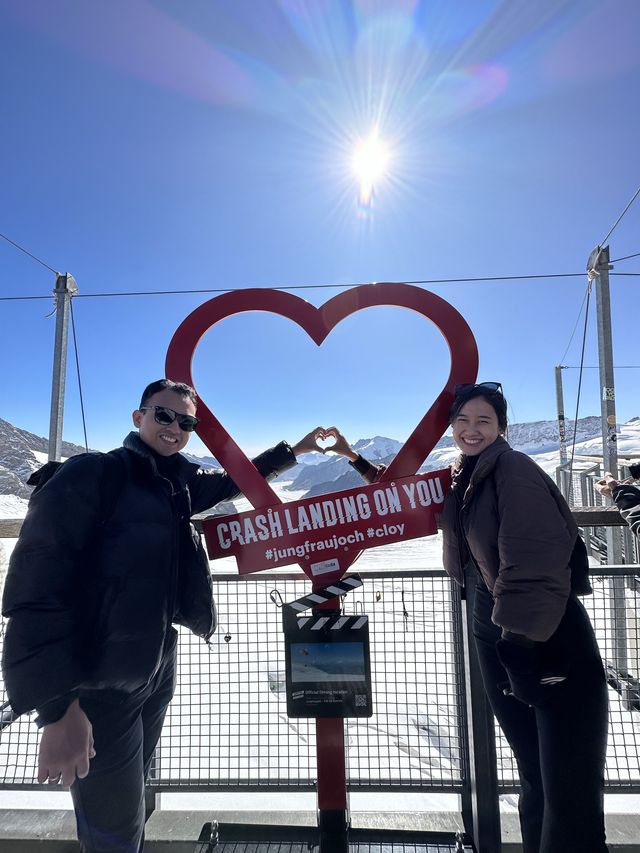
<point x="227" y="727"/>
<point x="577" y="483"/>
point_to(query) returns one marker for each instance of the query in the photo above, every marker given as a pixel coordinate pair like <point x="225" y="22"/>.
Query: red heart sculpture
<point x="318" y="322"/>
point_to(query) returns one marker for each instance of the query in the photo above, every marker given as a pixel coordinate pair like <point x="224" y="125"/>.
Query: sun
<point x="370" y="164"/>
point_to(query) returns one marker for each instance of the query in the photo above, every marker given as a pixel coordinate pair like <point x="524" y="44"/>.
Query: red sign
<point x="318" y="323"/>
<point x="312" y="531"/>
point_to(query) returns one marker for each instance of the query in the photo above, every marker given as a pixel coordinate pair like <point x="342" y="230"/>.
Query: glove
<point x="531" y="679"/>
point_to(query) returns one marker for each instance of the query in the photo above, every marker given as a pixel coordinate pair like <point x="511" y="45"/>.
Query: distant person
<point x="625" y="496"/>
<point x="106" y="561"/>
<point x="541" y="668"/>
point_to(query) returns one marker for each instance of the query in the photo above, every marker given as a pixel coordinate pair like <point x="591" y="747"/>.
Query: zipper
<point x="173" y="571"/>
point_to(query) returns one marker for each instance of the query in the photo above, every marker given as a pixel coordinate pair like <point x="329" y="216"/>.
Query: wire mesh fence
<point x="227" y="727"/>
<point x="228" y="724"/>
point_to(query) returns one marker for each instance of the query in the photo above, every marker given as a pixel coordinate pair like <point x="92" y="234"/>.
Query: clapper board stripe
<point x="341" y="587"/>
<point x="317" y="623"/>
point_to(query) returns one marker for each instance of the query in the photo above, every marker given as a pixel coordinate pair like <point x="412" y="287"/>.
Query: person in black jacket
<point x="106" y="561"/>
<point x="625" y="496"/>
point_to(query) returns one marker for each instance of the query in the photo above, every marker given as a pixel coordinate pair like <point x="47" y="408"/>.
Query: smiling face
<point x="169" y="439"/>
<point x="475" y="427"/>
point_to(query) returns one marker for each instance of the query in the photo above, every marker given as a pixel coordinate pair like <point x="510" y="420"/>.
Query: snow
<point x="12" y="506"/>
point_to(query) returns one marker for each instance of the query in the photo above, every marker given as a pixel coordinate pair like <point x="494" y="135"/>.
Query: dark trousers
<point x="109" y="802"/>
<point x="559" y="746"/>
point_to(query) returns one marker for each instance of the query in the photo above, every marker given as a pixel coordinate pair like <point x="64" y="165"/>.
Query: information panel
<point x="328" y="666"/>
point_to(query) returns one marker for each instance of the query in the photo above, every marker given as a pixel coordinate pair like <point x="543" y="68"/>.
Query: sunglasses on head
<point x="467" y="387"/>
<point x="165" y="416"/>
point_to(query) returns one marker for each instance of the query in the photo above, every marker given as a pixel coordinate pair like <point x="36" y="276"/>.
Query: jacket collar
<point x="485" y="465"/>
<point x="184" y="469"/>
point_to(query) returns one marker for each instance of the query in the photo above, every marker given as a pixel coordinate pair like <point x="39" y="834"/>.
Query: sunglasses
<point x="467" y="387"/>
<point x="165" y="416"/>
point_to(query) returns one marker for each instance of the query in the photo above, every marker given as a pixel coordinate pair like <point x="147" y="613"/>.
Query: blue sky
<point x="155" y="145"/>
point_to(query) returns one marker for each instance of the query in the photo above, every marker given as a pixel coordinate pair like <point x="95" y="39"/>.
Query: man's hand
<point x="66" y="747"/>
<point x="342" y="446"/>
<point x="310" y="442"/>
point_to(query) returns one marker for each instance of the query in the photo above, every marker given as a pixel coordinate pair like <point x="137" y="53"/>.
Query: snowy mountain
<point x="542" y="436"/>
<point x="22" y="452"/>
<point x="378" y="448"/>
<point x="538" y="439"/>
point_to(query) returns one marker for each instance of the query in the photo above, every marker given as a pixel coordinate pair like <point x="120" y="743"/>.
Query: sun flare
<point x="370" y="162"/>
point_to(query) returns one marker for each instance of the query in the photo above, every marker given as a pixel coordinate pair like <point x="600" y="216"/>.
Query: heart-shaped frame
<point x="318" y="323"/>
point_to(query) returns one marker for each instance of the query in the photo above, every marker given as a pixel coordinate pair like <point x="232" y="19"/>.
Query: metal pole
<point x="65" y="289"/>
<point x="333" y="802"/>
<point x="562" y="429"/>
<point x="332" y="794"/>
<point x="598" y="268"/>
<point x="480" y="798"/>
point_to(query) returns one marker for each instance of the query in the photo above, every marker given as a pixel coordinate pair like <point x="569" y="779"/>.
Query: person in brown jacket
<point x="505" y="520"/>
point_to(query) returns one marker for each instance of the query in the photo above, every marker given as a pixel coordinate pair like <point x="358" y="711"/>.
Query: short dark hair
<point x="495" y="399"/>
<point x="180" y="388"/>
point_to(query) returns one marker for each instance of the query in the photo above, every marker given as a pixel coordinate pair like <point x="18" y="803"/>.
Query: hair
<point x="180" y="388"/>
<point x="495" y="399"/>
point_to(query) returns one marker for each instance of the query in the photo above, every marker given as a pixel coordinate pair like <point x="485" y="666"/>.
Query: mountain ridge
<point x="21" y="453"/>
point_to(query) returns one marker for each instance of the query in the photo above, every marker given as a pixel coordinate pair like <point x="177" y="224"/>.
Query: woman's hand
<point x="341" y="446"/>
<point x="532" y="680"/>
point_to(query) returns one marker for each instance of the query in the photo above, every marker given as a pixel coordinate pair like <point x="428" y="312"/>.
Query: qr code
<point x="361" y="701"/>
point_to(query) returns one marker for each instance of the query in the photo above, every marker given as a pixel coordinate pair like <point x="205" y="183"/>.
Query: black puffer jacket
<point x="92" y="590"/>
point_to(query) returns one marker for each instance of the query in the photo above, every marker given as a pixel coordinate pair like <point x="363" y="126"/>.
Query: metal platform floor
<point x="357" y="847"/>
<point x="272" y="839"/>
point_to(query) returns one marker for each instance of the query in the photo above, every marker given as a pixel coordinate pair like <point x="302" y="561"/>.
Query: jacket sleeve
<point x="210" y="486"/>
<point x="42" y="651"/>
<point x="627" y="499"/>
<point x="534" y="545"/>
<point x="367" y="470"/>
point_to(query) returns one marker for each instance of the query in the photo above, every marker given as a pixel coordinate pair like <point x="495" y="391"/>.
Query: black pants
<point x="109" y="802"/>
<point x="559" y="746"/>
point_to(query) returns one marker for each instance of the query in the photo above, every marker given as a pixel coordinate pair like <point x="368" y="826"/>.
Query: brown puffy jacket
<point x="521" y="536"/>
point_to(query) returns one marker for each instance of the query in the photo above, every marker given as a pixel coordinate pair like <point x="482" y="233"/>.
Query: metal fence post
<point x="65" y="289"/>
<point x="480" y="801"/>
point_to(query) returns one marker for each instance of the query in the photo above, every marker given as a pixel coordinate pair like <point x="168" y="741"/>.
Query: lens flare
<point x="370" y="163"/>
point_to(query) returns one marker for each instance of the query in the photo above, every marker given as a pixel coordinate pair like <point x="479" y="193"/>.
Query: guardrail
<point x="227" y="727"/>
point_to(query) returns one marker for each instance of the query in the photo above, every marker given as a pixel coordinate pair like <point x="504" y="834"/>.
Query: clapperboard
<point x="328" y="668"/>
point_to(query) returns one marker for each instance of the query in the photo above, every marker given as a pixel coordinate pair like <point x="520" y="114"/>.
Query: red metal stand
<point x="333" y="805"/>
